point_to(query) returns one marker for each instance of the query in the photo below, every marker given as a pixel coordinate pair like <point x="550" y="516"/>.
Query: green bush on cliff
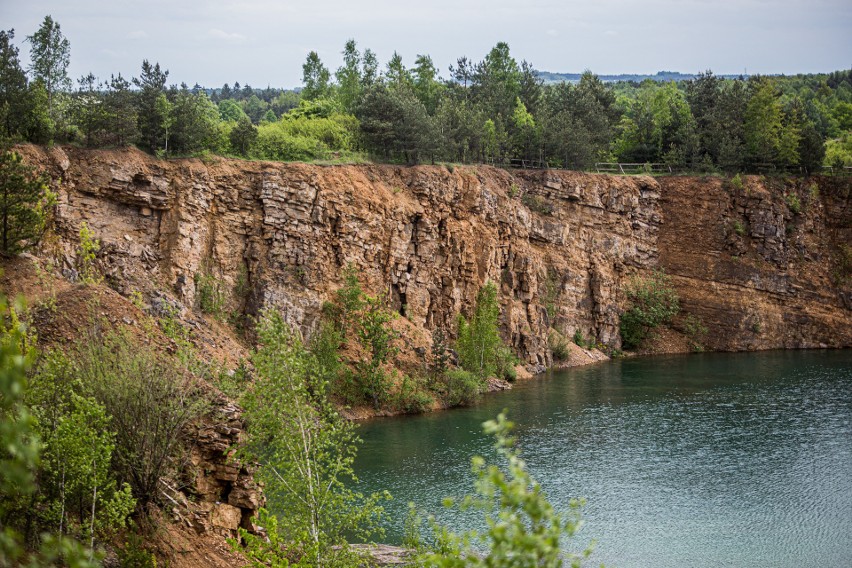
<point x="653" y="302"/>
<point x="24" y="201"/>
<point x="478" y="338"/>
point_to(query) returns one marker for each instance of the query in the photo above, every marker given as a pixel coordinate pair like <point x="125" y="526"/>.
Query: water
<point x="700" y="460"/>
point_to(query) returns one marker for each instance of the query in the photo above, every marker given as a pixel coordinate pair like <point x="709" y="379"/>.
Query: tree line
<point x="495" y="110"/>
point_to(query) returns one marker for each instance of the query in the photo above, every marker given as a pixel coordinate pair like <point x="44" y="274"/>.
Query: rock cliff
<point x="761" y="270"/>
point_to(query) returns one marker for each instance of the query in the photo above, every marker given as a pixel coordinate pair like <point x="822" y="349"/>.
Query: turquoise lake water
<point x="694" y="460"/>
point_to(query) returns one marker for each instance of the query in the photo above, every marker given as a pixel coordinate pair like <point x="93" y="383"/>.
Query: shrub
<point x="739" y="228"/>
<point x="478" y="339"/>
<point x="462" y="387"/>
<point x="696" y="331"/>
<point x="411" y="396"/>
<point x="24" y="202"/>
<point x="209" y="292"/>
<point x="537" y="203"/>
<point x="558" y="346"/>
<point x="150" y="401"/>
<point x="737" y="182"/>
<point x="793" y="203"/>
<point x="653" y="302"/>
<point x="440" y="354"/>
<point x="86" y="252"/>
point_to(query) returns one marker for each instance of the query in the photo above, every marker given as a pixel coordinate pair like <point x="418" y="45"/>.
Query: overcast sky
<point x="264" y="42"/>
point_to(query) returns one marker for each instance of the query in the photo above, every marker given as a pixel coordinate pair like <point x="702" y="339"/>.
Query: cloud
<point x="552" y="33"/>
<point x="234" y="37"/>
<point x="137" y="34"/>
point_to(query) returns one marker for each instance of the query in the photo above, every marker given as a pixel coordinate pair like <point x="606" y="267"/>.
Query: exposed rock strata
<point x="430" y="236"/>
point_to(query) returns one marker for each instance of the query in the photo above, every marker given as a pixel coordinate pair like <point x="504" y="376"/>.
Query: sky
<point x="265" y="42"/>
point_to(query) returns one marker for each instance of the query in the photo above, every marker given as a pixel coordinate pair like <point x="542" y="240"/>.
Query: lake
<point x="717" y="459"/>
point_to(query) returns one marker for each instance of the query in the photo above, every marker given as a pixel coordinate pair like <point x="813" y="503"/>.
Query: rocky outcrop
<point x="760" y="263"/>
<point x="561" y="245"/>
<point x="427" y="236"/>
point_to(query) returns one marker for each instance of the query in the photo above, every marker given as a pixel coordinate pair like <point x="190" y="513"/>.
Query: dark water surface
<point x="699" y="460"/>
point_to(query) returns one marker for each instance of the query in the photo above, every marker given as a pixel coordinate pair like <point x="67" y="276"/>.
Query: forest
<point x="496" y="111"/>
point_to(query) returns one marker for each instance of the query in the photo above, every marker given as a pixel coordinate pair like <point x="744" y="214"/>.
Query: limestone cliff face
<point x="561" y="245"/>
<point x="761" y="264"/>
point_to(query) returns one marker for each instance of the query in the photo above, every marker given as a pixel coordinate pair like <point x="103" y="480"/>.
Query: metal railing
<point x="630" y="168"/>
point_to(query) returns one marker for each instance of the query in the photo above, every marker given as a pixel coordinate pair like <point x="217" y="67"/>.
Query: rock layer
<point x="562" y="245"/>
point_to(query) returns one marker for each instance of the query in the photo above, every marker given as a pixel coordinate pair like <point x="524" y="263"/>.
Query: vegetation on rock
<point x="652" y="302"/>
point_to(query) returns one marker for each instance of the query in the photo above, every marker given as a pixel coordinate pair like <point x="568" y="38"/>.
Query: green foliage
<point x="152" y="113"/>
<point x="133" y="553"/>
<point x="412" y="395"/>
<point x="461" y="388"/>
<point x="558" y="346"/>
<point x="537" y="203"/>
<point x="18" y="444"/>
<point x="440" y="352"/>
<point x="50" y="54"/>
<point x="376" y="335"/>
<point x="315" y="78"/>
<point x="739" y="228"/>
<point x="652" y="302"/>
<point x="15" y="105"/>
<point x="304" y="138"/>
<point x="243" y="136"/>
<point x="696" y="331"/>
<point x="737" y="182"/>
<point x="26" y="199"/>
<point x="86" y="253"/>
<point x="150" y="401"/>
<point x="395" y="125"/>
<point x="24" y="203"/>
<point x="210" y="293"/>
<point x="793" y="203"/>
<point x="19" y="458"/>
<point x="411" y="536"/>
<point x="306" y="452"/>
<point x="479" y="339"/>
<point x="523" y="527"/>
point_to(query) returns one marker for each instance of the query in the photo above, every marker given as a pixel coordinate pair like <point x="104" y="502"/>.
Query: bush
<point x="653" y="302"/>
<point x="737" y="182"/>
<point x="558" y="346"/>
<point x="209" y="293"/>
<point x="537" y="203"/>
<point x="793" y="203"/>
<point x="411" y="396"/>
<point x="151" y="402"/>
<point x="86" y="253"/>
<point x="696" y="331"/>
<point x="462" y="387"/>
<point x="24" y="202"/>
<point x="478" y="339"/>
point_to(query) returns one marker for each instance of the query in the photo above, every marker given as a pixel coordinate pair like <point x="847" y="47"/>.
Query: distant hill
<point x="662" y="76"/>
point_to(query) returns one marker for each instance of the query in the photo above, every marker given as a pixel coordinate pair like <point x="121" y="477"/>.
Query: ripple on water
<point x="710" y="460"/>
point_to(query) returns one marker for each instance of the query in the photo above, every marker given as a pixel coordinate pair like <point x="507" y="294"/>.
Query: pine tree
<point x="24" y="197"/>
